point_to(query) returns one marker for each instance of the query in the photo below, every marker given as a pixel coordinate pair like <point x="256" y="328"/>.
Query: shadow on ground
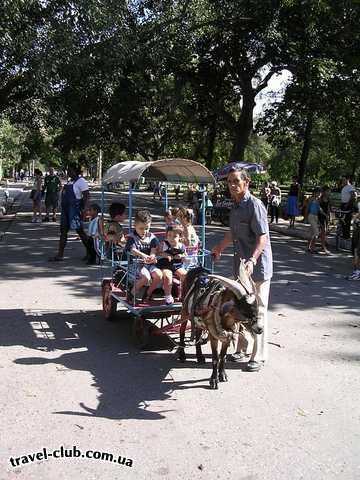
<point x="126" y="379"/>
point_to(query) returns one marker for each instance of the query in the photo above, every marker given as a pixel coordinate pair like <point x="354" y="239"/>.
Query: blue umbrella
<point x="224" y="171"/>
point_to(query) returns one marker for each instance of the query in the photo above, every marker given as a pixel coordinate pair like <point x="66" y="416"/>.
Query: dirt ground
<point x="69" y="378"/>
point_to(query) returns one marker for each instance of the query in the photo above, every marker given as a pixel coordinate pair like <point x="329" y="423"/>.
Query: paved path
<point x="70" y="378"/>
<point x="302" y="230"/>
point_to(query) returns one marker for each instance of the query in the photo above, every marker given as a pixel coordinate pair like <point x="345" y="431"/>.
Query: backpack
<point x="68" y="198"/>
<point x="275" y="201"/>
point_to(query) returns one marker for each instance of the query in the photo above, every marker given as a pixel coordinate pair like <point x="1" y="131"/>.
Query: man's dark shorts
<point x="51" y="200"/>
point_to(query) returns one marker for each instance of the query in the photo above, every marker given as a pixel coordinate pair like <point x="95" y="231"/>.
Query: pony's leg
<point x="222" y="374"/>
<point x="199" y="355"/>
<point x="181" y="350"/>
<point x="214" y="379"/>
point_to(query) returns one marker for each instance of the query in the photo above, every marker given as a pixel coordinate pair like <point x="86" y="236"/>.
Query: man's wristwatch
<point x="253" y="260"/>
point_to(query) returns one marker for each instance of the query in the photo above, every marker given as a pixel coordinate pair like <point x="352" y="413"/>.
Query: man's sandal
<point x="253" y="366"/>
<point x="236" y="357"/>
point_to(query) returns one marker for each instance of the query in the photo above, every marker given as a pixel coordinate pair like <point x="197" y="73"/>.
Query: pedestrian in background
<point x="346" y="197"/>
<point x="293" y="201"/>
<point x="275" y="202"/>
<point x="265" y="195"/>
<point x="177" y="192"/>
<point x="35" y="195"/>
<point x="52" y="186"/>
<point x="314" y="211"/>
<point x="324" y="215"/>
<point x="355" y="242"/>
<point x="156" y="191"/>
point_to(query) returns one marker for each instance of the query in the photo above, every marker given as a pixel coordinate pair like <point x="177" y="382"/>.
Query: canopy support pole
<point x="166" y="199"/>
<point x="130" y="206"/>
<point x="203" y="220"/>
<point x="102" y="245"/>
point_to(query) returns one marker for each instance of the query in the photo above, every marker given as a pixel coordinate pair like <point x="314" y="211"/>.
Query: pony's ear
<point x="245" y="281"/>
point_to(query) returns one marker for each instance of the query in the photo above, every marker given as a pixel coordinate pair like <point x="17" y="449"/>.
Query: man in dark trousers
<point x="74" y="202"/>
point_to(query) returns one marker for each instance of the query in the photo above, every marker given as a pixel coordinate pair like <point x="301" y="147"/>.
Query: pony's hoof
<point x="223" y="377"/>
<point x="201" y="359"/>
<point x="181" y="356"/>
<point x="213" y="384"/>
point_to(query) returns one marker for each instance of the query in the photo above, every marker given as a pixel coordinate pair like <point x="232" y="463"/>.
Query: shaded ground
<point x="70" y="378"/>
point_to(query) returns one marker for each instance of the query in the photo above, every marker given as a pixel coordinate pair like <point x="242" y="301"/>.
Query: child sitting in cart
<point x="172" y="253"/>
<point x="113" y="231"/>
<point x="190" y="238"/>
<point x="170" y="217"/>
<point x="144" y="245"/>
<point x="93" y="234"/>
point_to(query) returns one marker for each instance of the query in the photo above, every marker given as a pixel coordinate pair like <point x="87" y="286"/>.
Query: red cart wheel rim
<point x="107" y="300"/>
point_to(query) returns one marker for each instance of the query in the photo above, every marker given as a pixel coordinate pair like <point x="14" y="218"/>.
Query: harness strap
<point x="204" y="297"/>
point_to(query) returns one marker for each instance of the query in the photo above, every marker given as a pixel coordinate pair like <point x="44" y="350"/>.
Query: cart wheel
<point x="109" y="302"/>
<point x="140" y="332"/>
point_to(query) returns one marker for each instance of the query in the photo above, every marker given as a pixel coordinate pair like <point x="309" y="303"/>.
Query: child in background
<point x="170" y="217"/>
<point x="275" y="201"/>
<point x="313" y="212"/>
<point x="304" y="208"/>
<point x="144" y="245"/>
<point x="175" y="214"/>
<point x="172" y="253"/>
<point x="324" y="214"/>
<point x="190" y="238"/>
<point x="93" y="234"/>
<point x="113" y="230"/>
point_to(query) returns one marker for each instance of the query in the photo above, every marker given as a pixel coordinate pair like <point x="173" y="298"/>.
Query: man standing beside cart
<point x="249" y="233"/>
<point x="74" y="202"/>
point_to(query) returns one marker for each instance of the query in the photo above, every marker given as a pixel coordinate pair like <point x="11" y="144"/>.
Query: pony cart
<point x="154" y="317"/>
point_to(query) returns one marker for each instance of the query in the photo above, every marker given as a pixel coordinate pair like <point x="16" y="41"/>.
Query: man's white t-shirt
<point x="346" y="193"/>
<point x="79" y="187"/>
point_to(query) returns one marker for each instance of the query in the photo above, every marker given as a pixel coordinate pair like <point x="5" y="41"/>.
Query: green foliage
<point x="12" y="144"/>
<point x="150" y="79"/>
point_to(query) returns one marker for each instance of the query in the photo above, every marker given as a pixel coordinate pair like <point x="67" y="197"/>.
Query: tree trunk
<point x="211" y="143"/>
<point x="244" y="127"/>
<point x="99" y="165"/>
<point x="197" y="151"/>
<point x="306" y="148"/>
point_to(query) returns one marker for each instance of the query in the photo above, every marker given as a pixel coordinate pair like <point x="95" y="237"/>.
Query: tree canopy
<point x="155" y="78"/>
